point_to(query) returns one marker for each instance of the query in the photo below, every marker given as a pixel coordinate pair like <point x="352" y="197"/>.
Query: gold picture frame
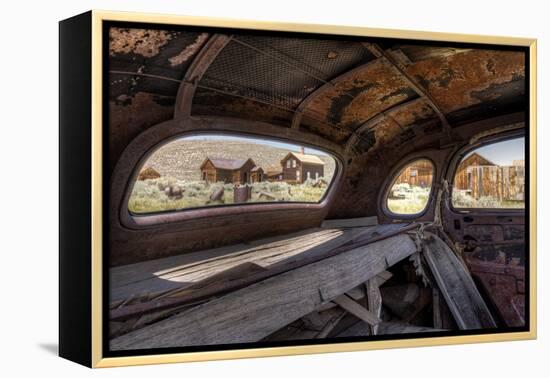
<point x="97" y="253"/>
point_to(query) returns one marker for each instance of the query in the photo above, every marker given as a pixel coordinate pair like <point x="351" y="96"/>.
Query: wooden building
<point x="299" y="167"/>
<point x="236" y="171"/>
<point x="420" y="173"/>
<point x="256" y="174"/>
<point x="274" y="173"/>
<point x="480" y="177"/>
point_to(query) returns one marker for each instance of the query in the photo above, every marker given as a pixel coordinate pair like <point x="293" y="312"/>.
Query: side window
<point x="410" y="191"/>
<point x="491" y="177"/>
<point x="222" y="170"/>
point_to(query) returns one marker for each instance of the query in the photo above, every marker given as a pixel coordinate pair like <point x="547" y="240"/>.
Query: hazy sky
<point x="503" y="153"/>
<point x="271" y="143"/>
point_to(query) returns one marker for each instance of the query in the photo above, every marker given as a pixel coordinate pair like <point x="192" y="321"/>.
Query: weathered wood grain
<point x="220" y="285"/>
<point x="252" y="313"/>
<point x="184" y="270"/>
<point x="356" y="309"/>
<point x="456" y="285"/>
<point x="350" y="222"/>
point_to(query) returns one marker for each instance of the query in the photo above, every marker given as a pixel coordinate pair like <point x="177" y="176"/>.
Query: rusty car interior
<point x="353" y="265"/>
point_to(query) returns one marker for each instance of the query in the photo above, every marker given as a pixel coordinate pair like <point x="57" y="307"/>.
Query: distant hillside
<point x="182" y="159"/>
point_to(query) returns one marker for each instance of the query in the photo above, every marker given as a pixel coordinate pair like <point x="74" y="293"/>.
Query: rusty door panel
<point x="493" y="247"/>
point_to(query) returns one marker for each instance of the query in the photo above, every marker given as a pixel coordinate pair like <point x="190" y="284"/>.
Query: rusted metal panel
<point x="505" y="286"/>
<point x="310" y="123"/>
<point x="462" y="80"/>
<point x="206" y="100"/>
<point x="127" y="119"/>
<point x="371" y="90"/>
<point x="413" y="113"/>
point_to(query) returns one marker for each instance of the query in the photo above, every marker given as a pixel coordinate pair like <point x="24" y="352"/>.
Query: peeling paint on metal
<point x="189" y="50"/>
<point x="145" y="42"/>
<point x="455" y="81"/>
<point x="354" y="100"/>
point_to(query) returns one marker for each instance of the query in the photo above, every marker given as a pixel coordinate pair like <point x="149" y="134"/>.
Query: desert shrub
<point x="149" y="196"/>
<point x="148" y="174"/>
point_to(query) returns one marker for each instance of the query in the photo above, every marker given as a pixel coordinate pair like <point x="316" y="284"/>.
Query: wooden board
<point x="350" y="222"/>
<point x="356" y="309"/>
<point x="181" y="271"/>
<point x="456" y="285"/>
<point x="256" y="311"/>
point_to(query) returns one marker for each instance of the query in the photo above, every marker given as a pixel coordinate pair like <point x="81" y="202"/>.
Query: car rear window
<point x="222" y="170"/>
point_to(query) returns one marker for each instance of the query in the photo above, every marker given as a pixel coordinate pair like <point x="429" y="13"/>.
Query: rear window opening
<point x="492" y="177"/>
<point x="215" y="170"/>
<point x="410" y="191"/>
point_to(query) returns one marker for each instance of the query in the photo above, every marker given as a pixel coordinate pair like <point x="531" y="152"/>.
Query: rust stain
<point x="129" y="116"/>
<point x="145" y="42"/>
<point x="211" y="103"/>
<point x="356" y="99"/>
<point x="416" y="112"/>
<point x="189" y="50"/>
<point x="311" y="123"/>
<point x="453" y="81"/>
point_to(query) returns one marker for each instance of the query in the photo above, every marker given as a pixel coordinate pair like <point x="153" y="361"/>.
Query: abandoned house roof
<point x="305" y="158"/>
<point x="229" y="164"/>
<point x="483" y="160"/>
<point x="256" y="169"/>
<point x="274" y="170"/>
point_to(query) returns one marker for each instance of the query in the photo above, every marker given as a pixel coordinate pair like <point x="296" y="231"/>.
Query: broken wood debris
<point x="224" y="282"/>
<point x="255" y="311"/>
<point x="457" y="286"/>
<point x="324" y="284"/>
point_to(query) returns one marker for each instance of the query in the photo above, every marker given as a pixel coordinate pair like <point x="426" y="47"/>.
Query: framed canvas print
<point x="235" y="189"/>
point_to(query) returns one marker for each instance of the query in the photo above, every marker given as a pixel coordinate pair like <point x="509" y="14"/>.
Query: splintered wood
<point x="318" y="283"/>
<point x="273" y="303"/>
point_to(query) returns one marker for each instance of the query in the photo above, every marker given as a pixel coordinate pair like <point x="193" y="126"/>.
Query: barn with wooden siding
<point x="418" y="174"/>
<point x="236" y="171"/>
<point x="299" y="167"/>
<point x="480" y="177"/>
<point x="256" y="174"/>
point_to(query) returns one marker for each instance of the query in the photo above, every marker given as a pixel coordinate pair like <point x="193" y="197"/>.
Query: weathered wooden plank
<point x="184" y="270"/>
<point x="252" y="313"/>
<point x="350" y="222"/>
<point x="374" y="297"/>
<point x="436" y="302"/>
<point x="197" y="291"/>
<point x="356" y="309"/>
<point x="456" y="285"/>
